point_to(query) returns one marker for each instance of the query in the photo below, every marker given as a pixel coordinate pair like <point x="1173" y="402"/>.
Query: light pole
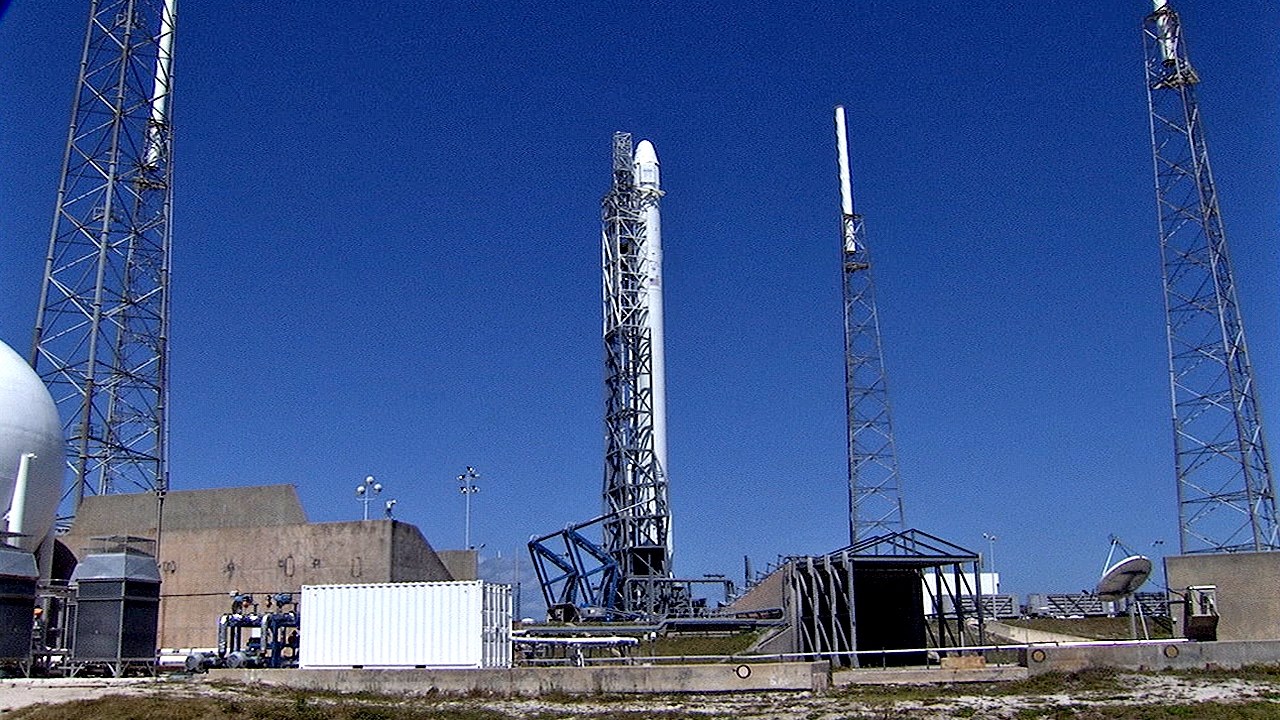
<point x="367" y="491"/>
<point x="991" y="549"/>
<point x="468" y="487"/>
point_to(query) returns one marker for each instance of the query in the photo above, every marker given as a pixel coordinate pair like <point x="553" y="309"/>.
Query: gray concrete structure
<point x="731" y="677"/>
<point x="253" y="540"/>
<point x="1248" y="596"/>
<point x="1166" y="655"/>
<point x="462" y="564"/>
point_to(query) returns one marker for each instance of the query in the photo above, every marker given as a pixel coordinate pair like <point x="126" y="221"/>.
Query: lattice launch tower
<point x="1226" y="494"/>
<point x="875" y="487"/>
<point x="637" y="519"/>
<point x="102" y="328"/>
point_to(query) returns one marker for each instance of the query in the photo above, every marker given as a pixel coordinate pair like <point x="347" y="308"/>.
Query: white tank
<point x="29" y="424"/>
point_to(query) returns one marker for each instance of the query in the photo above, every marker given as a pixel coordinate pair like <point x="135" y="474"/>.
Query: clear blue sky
<point x="387" y="256"/>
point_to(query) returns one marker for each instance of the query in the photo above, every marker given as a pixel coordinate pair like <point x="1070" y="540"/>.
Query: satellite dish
<point x="1124" y="578"/>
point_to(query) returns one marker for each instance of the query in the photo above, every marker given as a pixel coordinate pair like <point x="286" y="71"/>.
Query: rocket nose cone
<point x="645" y="153"/>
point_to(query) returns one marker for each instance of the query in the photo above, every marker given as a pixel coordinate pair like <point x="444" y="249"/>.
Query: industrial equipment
<point x="18" y="576"/>
<point x="248" y="638"/>
<point x="117" y="595"/>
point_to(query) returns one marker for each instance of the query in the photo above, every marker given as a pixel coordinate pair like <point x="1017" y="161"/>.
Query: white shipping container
<point x="388" y="625"/>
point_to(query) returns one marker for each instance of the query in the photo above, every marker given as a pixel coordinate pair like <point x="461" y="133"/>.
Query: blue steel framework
<point x="875" y="487"/>
<point x="637" y="519"/>
<point x="1226" y="495"/>
<point x="101" y="334"/>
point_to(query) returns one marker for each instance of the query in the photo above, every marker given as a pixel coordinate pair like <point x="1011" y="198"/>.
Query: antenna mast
<point x="875" y="488"/>
<point x="1226" y="494"/>
<point x="102" y="329"/>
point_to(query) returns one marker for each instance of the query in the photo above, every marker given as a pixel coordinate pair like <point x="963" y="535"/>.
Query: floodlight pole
<point x="366" y="491"/>
<point x="991" y="549"/>
<point x="468" y="487"/>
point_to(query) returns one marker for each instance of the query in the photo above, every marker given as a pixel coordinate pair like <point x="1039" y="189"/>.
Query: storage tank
<point x="29" y="424"/>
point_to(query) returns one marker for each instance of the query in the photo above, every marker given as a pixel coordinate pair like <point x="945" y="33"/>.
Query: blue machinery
<point x="582" y="581"/>
<point x="272" y="640"/>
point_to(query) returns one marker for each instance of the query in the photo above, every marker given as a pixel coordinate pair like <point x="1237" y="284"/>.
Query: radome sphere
<point x="29" y="424"/>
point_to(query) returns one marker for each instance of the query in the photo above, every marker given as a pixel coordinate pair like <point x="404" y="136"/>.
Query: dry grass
<point x="1090" y="695"/>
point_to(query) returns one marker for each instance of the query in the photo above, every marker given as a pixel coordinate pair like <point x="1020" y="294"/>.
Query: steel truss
<point x="875" y="487"/>
<point x="871" y="597"/>
<point x="637" y="519"/>
<point x="1226" y="495"/>
<point x="102" y="329"/>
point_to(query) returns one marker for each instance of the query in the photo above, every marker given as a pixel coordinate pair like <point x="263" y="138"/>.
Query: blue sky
<point x="387" y="256"/>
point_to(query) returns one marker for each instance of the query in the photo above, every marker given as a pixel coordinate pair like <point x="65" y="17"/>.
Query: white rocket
<point x="649" y="183"/>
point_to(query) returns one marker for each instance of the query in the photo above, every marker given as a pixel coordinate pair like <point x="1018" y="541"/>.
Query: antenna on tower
<point x="102" y="328"/>
<point x="1226" y="493"/>
<point x="875" y="488"/>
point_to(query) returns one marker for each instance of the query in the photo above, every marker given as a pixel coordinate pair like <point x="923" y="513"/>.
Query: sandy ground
<point x="958" y="701"/>
<point x="20" y="692"/>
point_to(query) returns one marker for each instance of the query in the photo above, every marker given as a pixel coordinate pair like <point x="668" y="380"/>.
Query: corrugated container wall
<point x="433" y="625"/>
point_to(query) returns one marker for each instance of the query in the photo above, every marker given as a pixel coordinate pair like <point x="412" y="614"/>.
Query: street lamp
<point x="991" y="549"/>
<point x="468" y="487"/>
<point x="367" y="491"/>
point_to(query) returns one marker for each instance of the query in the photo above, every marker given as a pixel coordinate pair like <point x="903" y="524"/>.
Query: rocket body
<point x="649" y="183"/>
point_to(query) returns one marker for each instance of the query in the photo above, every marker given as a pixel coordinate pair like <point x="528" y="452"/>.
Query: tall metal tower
<point x="637" y="519"/>
<point x="1226" y="494"/>
<point x="875" y="488"/>
<point x="101" y="335"/>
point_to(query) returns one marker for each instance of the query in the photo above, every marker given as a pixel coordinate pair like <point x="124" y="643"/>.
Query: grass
<point x="1095" y="628"/>
<point x="688" y="645"/>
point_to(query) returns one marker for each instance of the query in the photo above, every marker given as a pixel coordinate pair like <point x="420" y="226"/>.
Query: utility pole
<point x="468" y="487"/>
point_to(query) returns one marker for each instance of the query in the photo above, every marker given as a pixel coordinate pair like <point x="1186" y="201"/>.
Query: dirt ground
<point x="1112" y="695"/>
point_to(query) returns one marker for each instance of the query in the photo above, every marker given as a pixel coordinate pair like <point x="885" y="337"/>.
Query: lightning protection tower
<point x="637" y="520"/>
<point x="875" y="488"/>
<point x="101" y="335"/>
<point x="1226" y="495"/>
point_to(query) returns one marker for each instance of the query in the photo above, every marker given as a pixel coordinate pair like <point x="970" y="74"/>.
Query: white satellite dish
<point x="1124" y="578"/>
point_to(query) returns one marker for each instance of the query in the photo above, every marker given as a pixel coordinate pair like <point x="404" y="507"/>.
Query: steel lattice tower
<point x="637" y="519"/>
<point x="101" y="335"/>
<point x="875" y="488"/>
<point x="1226" y="495"/>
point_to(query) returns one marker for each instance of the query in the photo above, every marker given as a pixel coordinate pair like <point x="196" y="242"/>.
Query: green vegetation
<point x="1095" y="628"/>
<point x="689" y="645"/>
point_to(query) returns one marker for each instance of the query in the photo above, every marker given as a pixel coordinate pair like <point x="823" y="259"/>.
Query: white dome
<point x="29" y="424"/>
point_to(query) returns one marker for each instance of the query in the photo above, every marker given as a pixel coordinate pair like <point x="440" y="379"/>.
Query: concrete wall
<point x="737" y="677"/>
<point x="462" y="564"/>
<point x="252" y="540"/>
<point x="1248" y="591"/>
<point x="135" y="513"/>
<point x="201" y="568"/>
<point x="1151" y="656"/>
